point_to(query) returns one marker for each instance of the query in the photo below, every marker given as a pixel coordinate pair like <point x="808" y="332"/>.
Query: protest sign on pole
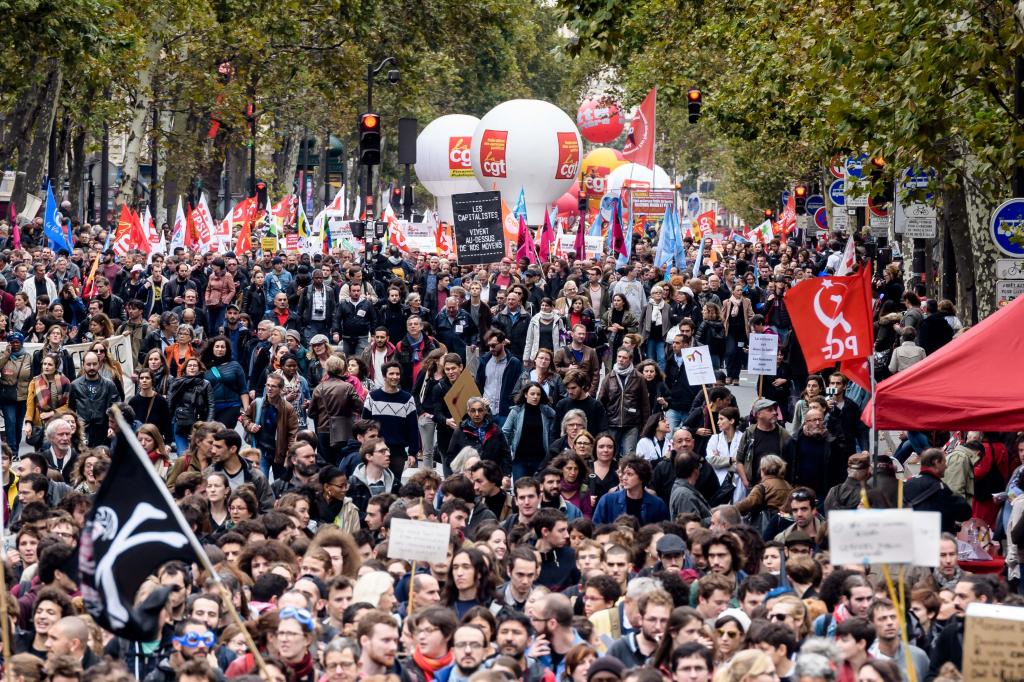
<point x="697" y="362"/>
<point x="883" y="536"/>
<point x="419" y="541"/>
<point x="992" y="637"/>
<point x="479" y="235"/>
<point x="764" y="354"/>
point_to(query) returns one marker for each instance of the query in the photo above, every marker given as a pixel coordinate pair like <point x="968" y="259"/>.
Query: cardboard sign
<point x="479" y="235"/>
<point x="992" y="637"/>
<point x="764" y="354"/>
<point x="118" y="347"/>
<point x="697" y="362"/>
<point x="462" y="390"/>
<point x="419" y="541"/>
<point x="883" y="536"/>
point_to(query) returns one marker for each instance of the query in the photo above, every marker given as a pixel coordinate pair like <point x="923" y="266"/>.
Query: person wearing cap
<point x="606" y="669"/>
<point x="763" y="437"/>
<point x="137" y="285"/>
<point x="847" y="495"/>
<point x="671" y="552"/>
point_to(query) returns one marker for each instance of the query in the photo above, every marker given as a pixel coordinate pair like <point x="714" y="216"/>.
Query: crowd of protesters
<point x="608" y="521"/>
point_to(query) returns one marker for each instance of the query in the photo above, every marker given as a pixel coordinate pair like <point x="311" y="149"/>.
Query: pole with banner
<point x="700" y="371"/>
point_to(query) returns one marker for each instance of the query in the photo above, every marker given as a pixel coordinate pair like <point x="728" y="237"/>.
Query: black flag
<point x="132" y="530"/>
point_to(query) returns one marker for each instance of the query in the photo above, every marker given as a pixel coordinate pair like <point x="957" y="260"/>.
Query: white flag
<point x="849" y="259"/>
<point x="178" y="233"/>
<point x="204" y="225"/>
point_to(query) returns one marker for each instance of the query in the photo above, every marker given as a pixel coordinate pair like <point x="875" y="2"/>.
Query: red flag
<point x="191" y="238"/>
<point x="858" y="372"/>
<point x="244" y="243"/>
<point x="139" y="238"/>
<point x="639" y="146"/>
<point x="580" y="245"/>
<point x="15" y="227"/>
<point x="787" y="223"/>
<point x="832" y="318"/>
<point x="547" y="238"/>
<point x="618" y="236"/>
<point x="525" y="247"/>
<point x="121" y="241"/>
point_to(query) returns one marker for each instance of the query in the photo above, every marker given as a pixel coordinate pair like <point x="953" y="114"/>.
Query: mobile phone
<point x="831" y="390"/>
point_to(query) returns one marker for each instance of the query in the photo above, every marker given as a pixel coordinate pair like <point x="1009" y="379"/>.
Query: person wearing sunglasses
<point x="296" y="630"/>
<point x="731" y="625"/>
<point x="193" y="641"/>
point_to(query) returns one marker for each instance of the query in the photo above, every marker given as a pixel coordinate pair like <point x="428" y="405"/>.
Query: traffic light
<point x="693" y="102"/>
<point x="800" y="199"/>
<point x="881" y="192"/>
<point x="769" y="214"/>
<point x="261" y="194"/>
<point x="369" y="139"/>
<point x="396" y="199"/>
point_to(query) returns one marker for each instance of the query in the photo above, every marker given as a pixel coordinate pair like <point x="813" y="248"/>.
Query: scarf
<point x="303" y="668"/>
<point x="428" y="665"/>
<point x="546" y="318"/>
<point x="415" y="348"/>
<point x="656" y="312"/>
<point x="57" y="395"/>
<point x="623" y="372"/>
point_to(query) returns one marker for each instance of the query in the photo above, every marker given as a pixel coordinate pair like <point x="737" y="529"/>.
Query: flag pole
<point x="129" y="436"/>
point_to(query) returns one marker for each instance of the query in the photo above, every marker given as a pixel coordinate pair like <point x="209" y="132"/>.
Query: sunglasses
<point x="728" y="634"/>
<point x="193" y="640"/>
<point x="303" y="616"/>
<point x="778" y="617"/>
<point x="802" y="496"/>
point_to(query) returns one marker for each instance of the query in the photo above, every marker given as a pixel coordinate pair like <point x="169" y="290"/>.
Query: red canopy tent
<point x="975" y="382"/>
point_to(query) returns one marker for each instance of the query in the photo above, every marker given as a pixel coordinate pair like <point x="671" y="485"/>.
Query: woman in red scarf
<point x="296" y="632"/>
<point x="432" y="628"/>
<point x="47" y="395"/>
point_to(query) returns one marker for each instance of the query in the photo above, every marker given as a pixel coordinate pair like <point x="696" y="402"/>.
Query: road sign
<point x="785" y="197"/>
<point x="837" y="193"/>
<point x="836" y="167"/>
<point x="916" y="220"/>
<point x="821" y="219"/>
<point x="878" y="219"/>
<point x="1007" y="228"/>
<point x="855" y="166"/>
<point x="879" y="211"/>
<point x="840" y="219"/>
<point x="1007" y="290"/>
<point x="1009" y="268"/>
<point x="814" y="202"/>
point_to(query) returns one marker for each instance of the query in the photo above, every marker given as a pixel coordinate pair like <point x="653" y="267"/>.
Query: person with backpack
<point x="991" y="471"/>
<point x="927" y="492"/>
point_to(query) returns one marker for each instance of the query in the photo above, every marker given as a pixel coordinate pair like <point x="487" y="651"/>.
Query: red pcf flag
<point x="639" y="147"/>
<point x="787" y="223"/>
<point x="832" y="318"/>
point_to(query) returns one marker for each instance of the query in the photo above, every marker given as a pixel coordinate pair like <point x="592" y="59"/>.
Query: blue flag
<point x="519" y="210"/>
<point x="53" y="227"/>
<point x="665" y="254"/>
<point x="627" y="232"/>
<point x="700" y="259"/>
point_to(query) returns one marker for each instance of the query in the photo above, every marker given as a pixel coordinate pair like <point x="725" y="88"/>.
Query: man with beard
<point x="814" y="454"/>
<point x="764" y="437"/>
<point x="551" y="495"/>
<point x="558" y="559"/>
<point x="513" y="639"/>
<point x="300" y="464"/>
<point x="470" y="648"/>
<point x="554" y="635"/>
<point x="317" y="304"/>
<point x="91" y="395"/>
<point x="637" y="647"/>
<point x="377" y="634"/>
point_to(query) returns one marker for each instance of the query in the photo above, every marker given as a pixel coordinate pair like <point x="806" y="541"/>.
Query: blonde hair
<point x="371" y="587"/>
<point x="745" y="665"/>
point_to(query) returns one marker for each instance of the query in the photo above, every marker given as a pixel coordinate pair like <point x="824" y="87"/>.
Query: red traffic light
<point x="693" y="94"/>
<point x="370" y="121"/>
<point x="878" y="161"/>
<point x="769" y="213"/>
<point x="800" y="191"/>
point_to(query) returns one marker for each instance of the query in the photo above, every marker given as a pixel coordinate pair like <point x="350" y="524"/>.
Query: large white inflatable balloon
<point x="633" y="175"/>
<point x="530" y="145"/>
<point x="443" y="163"/>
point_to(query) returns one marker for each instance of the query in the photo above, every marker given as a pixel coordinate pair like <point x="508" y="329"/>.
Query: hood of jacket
<point x="388" y="477"/>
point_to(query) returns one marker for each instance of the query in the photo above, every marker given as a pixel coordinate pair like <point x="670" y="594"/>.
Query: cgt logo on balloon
<point x="493" y="146"/>
<point x="568" y="156"/>
<point x="459" y="164"/>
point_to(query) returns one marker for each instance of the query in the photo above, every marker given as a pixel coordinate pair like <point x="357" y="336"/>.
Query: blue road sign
<point x="814" y="202"/>
<point x="836" y="191"/>
<point x="1008" y="228"/>
<point x="855" y="166"/>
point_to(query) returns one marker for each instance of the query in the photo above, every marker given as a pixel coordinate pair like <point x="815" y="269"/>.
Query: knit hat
<point x="606" y="664"/>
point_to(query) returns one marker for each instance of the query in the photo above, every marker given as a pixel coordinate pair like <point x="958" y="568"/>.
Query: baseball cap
<point x="763" y="404"/>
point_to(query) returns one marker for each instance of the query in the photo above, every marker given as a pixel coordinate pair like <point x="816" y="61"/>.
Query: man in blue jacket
<point x="632" y="499"/>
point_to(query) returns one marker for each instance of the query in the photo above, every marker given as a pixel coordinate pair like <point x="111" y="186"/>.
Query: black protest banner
<point x="479" y="237"/>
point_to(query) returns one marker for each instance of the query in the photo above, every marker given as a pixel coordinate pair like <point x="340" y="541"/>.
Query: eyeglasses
<point x="472" y="646"/>
<point x="304" y="617"/>
<point x="778" y="617"/>
<point x="192" y="640"/>
<point x="427" y="630"/>
<point x="345" y="665"/>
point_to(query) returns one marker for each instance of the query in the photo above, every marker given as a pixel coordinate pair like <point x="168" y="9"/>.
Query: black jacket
<point x="494" y="446"/>
<point x="306" y="304"/>
<point x="254" y="303"/>
<point x="194" y="394"/>
<point x="927" y="492"/>
<point x="515" y="331"/>
<point x="933" y="332"/>
<point x="355" y="319"/>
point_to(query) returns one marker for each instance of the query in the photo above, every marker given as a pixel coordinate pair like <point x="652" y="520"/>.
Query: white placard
<point x="697" y="362"/>
<point x="119" y="348"/>
<point x="7" y="185"/>
<point x="32" y="206"/>
<point x="764" y="354"/>
<point x="419" y="541"/>
<point x="927" y="534"/>
<point x="592" y="245"/>
<point x="876" y="536"/>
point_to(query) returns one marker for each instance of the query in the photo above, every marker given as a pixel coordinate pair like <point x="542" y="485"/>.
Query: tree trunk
<point x="979" y="211"/>
<point x="77" y="172"/>
<point x="14" y="129"/>
<point x="137" y="130"/>
<point x="319" y="200"/>
<point x="954" y="217"/>
<point x="35" y="161"/>
<point x="286" y="158"/>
